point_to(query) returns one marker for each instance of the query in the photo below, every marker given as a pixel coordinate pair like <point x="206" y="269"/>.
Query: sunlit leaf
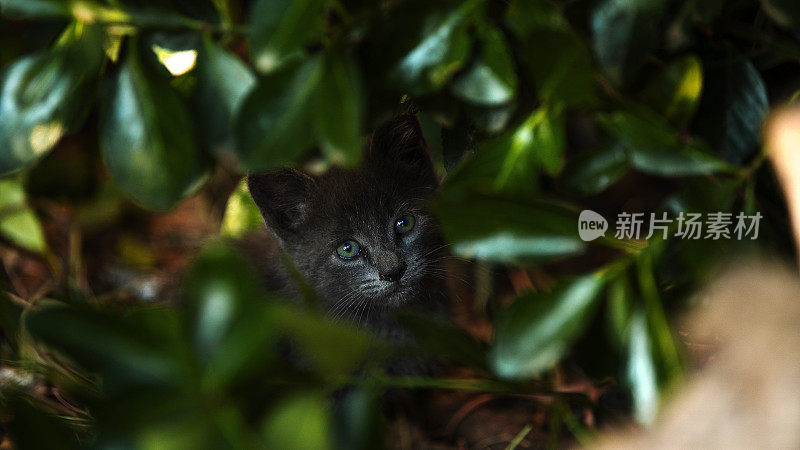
<point x="223" y="82"/>
<point x="241" y="213"/>
<point x="147" y="137"/>
<point x="18" y="223"/>
<point x="675" y="91"/>
<point x="441" y="52"/>
<point x="274" y="124"/>
<point x="594" y="170"/>
<point x="652" y="147"/>
<point x="299" y="421"/>
<point x="280" y="28"/>
<point x="47" y="95"/>
<point x="490" y="80"/>
<point x="623" y="32"/>
<point x="501" y="229"/>
<point x="338" y="108"/>
<point x="537" y="329"/>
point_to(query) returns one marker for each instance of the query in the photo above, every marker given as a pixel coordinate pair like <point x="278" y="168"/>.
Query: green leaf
<point x="785" y="13"/>
<point x="359" y="423"/>
<point x="675" y="91"/>
<point x="18" y="223"/>
<point x="491" y="79"/>
<point x="26" y="9"/>
<point x="241" y="213"/>
<point x="510" y="163"/>
<point x="300" y="421"/>
<point x="223" y="82"/>
<point x="126" y="352"/>
<point x="339" y="109"/>
<point x="594" y="170"/>
<point x="652" y="147"/>
<point x="623" y="33"/>
<point x="321" y="342"/>
<point x="537" y="329"/>
<point x="732" y="110"/>
<point x="272" y="127"/>
<point x="281" y="28"/>
<point x="218" y="290"/>
<point x="442" y="338"/>
<point x="619" y="306"/>
<point x="47" y="95"/>
<point x="441" y="52"/>
<point x="552" y="52"/>
<point x="641" y="371"/>
<point x="146" y="135"/>
<point x="500" y="229"/>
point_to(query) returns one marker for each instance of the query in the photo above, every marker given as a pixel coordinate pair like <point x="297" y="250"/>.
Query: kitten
<point x="362" y="238"/>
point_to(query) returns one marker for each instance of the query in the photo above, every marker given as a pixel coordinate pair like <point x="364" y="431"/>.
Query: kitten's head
<point x="361" y="236"/>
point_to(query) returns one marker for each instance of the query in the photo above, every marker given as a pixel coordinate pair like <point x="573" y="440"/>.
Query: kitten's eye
<point x="348" y="250"/>
<point x="404" y="224"/>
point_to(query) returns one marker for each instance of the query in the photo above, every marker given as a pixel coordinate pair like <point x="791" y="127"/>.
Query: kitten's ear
<point x="399" y="145"/>
<point x="282" y="197"/>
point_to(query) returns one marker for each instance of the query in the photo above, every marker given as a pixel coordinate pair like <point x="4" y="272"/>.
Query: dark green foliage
<point x="534" y="109"/>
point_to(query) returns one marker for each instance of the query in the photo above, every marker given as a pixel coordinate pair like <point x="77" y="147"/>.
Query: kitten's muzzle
<point x="392" y="272"/>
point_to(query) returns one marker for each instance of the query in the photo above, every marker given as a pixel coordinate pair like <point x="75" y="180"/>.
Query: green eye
<point x="404" y="224"/>
<point x="348" y="250"/>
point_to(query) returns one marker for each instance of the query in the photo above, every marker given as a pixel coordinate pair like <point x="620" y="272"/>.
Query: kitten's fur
<point x="310" y="216"/>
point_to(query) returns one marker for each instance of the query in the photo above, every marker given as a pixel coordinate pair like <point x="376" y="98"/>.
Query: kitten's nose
<point x="390" y="267"/>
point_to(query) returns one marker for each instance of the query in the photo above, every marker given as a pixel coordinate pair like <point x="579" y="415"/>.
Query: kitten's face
<point x="363" y="238"/>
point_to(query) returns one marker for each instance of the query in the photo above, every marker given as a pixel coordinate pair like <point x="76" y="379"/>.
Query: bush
<point x="534" y="109"/>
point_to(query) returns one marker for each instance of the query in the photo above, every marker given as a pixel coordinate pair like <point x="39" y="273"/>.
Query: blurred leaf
<point x="499" y="229"/>
<point x="241" y="213"/>
<point x="675" y="91"/>
<point x="652" y="147"/>
<point x="732" y="109"/>
<point x="623" y="32"/>
<point x="24" y="9"/>
<point x="556" y="57"/>
<point x="272" y="127"/>
<point x="32" y="428"/>
<point x="218" y="290"/>
<point x="147" y="137"/>
<point x="785" y="13"/>
<point x="359" y="423"/>
<point x="127" y="353"/>
<point x="300" y="421"/>
<point x="619" y="306"/>
<point x="223" y="82"/>
<point x="491" y="79"/>
<point x="592" y="171"/>
<point x="338" y="108"/>
<point x="441" y="52"/>
<point x="280" y="28"/>
<point x="537" y="329"/>
<point x="18" y="223"/>
<point x="641" y="370"/>
<point x="442" y="338"/>
<point x="321" y="342"/>
<point x="47" y="95"/>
